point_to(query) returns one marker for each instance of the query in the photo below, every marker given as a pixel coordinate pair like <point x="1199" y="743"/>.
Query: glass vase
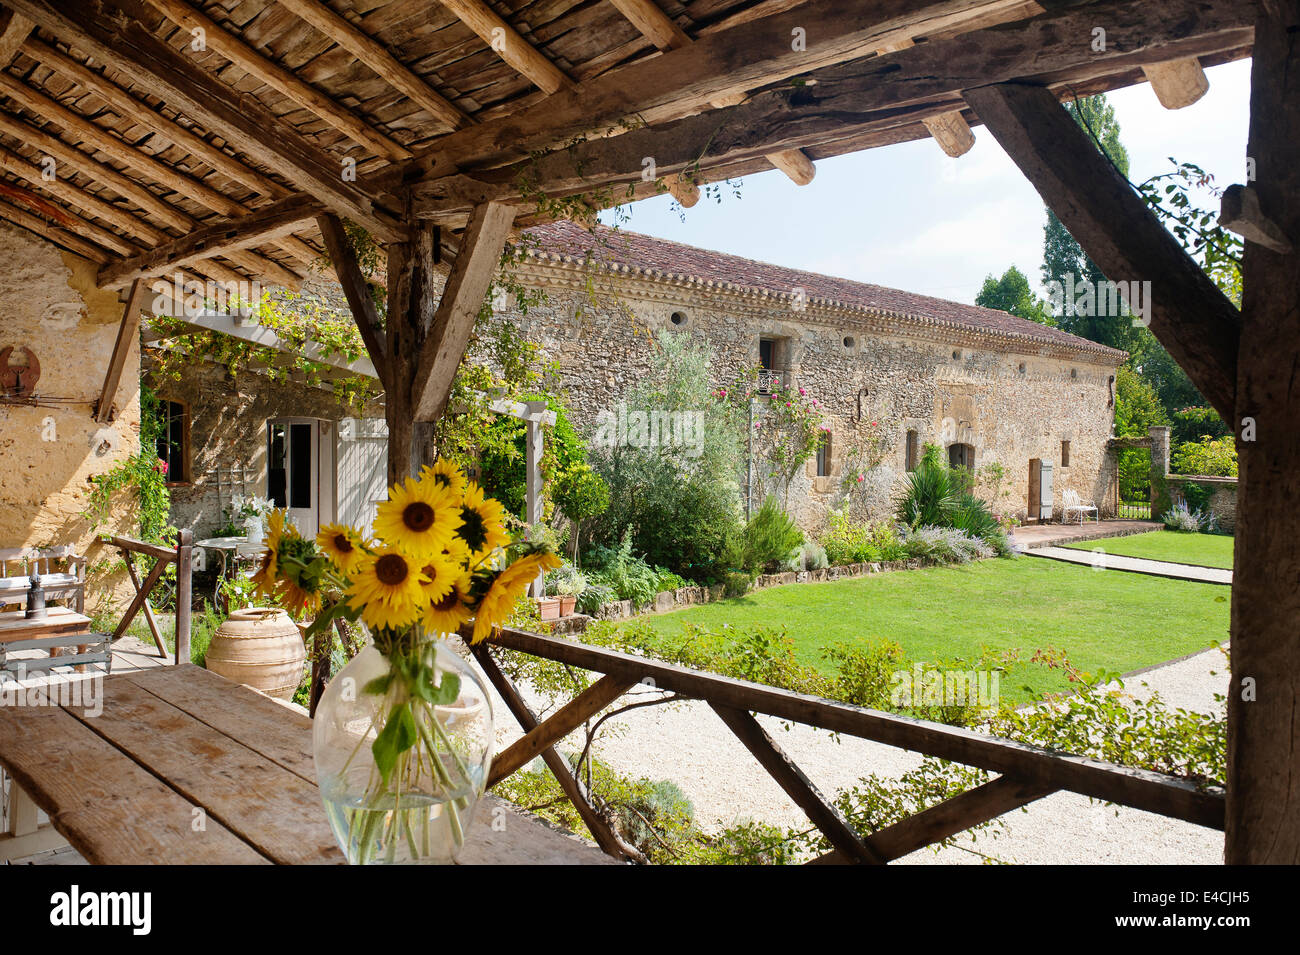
<point x="402" y="744"/>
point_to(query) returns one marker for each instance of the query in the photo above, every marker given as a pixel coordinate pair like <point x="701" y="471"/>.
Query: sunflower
<point x="298" y="589"/>
<point x="500" y="599"/>
<point x="482" y="523"/>
<point x="386" y="589"/>
<point x="438" y="577"/>
<point x="264" y="581"/>
<point x="420" y="517"/>
<point x="448" y="613"/>
<point x="445" y="474"/>
<point x="342" y="545"/>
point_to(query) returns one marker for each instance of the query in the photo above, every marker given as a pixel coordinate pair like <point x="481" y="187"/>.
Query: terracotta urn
<point x="260" y="647"/>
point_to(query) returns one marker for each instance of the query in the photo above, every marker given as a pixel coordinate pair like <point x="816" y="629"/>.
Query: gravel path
<point x="688" y="744"/>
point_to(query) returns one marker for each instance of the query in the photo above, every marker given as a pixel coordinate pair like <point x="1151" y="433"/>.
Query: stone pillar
<point x="1159" y="468"/>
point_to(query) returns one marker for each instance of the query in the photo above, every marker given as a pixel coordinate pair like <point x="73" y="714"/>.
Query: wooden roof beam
<point x="219" y="238"/>
<point x="686" y="80"/>
<point x="506" y="42"/>
<point x="53" y="233"/>
<point x="858" y="105"/>
<point x="234" y="49"/>
<point x="246" y="124"/>
<point x="661" y="30"/>
<point x="1188" y="313"/>
<point x="135" y="227"/>
<point x="380" y="59"/>
<point x="14" y="29"/>
<point x="127" y="106"/>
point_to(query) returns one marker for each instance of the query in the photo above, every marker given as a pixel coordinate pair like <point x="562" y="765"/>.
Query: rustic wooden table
<point x="183" y="766"/>
<point x="15" y="625"/>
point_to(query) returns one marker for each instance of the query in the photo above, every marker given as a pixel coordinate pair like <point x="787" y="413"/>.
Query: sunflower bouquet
<point x="439" y="559"/>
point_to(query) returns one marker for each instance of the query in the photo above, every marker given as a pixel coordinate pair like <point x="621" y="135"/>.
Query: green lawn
<point x="1207" y="550"/>
<point x="1103" y="620"/>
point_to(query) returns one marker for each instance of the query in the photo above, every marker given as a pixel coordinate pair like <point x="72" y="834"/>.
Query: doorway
<point x="295" y="461"/>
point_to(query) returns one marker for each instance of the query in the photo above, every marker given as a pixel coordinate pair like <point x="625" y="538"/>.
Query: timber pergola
<point x="232" y="140"/>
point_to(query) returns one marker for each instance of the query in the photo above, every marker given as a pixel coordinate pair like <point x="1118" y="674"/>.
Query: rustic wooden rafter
<point x="1177" y="83"/>
<point x="251" y="128"/>
<point x="665" y="34"/>
<point x="230" y="46"/>
<point x="14" y="30"/>
<point x="58" y="235"/>
<point x="1115" y="227"/>
<point x="508" y="44"/>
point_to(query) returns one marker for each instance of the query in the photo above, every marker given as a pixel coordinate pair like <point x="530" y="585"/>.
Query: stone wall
<point x="1223" y="498"/>
<point x="876" y="379"/>
<point x="50" y="450"/>
<point x="228" y="415"/>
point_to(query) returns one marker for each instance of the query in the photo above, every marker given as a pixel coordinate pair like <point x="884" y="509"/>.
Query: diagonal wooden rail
<point x="1026" y="773"/>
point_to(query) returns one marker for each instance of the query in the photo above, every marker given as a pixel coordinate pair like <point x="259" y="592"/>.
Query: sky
<point x="912" y="218"/>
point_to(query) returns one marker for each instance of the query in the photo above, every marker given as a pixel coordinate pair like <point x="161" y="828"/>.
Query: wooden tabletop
<point x="183" y="766"/>
<point x="14" y="624"/>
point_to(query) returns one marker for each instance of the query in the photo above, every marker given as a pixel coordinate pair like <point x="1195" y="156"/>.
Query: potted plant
<point x="249" y="512"/>
<point x="568" y="584"/>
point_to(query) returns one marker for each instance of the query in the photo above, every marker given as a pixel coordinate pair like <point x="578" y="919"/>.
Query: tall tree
<point x="1012" y="293"/>
<point x="1064" y="261"/>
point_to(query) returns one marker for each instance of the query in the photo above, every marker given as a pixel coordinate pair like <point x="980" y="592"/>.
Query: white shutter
<point x="361" y="474"/>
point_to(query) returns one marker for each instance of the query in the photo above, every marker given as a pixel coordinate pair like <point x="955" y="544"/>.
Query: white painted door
<point x="293" y="470"/>
<point x="361" y="472"/>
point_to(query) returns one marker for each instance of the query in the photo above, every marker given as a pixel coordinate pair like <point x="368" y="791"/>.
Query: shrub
<point x="814" y="556"/>
<point x="1208" y="456"/>
<point x="736" y="583"/>
<point x="930" y="494"/>
<point x="768" y="538"/>
<point x="847" y="541"/>
<point x="1183" y="519"/>
<point x="628" y="576"/>
<point x="581" y="494"/>
<point x="594" y="597"/>
<point x="945" y="545"/>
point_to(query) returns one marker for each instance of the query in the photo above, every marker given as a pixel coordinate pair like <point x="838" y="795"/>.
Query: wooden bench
<point x="62" y="573"/>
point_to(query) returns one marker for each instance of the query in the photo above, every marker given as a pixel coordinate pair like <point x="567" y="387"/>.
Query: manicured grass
<point x="1207" y="550"/>
<point x="1112" y="621"/>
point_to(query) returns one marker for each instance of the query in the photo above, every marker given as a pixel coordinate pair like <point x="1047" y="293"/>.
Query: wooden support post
<point x="1177" y="83"/>
<point x="1188" y="314"/>
<point x="184" y="592"/>
<point x="127" y="332"/>
<point x="533" y="449"/>
<point x="1263" y="802"/>
<point x="796" y="785"/>
<point x="147" y="608"/>
<point x="600" y="829"/>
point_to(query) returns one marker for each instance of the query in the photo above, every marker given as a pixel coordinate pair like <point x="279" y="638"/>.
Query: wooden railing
<point x="1026" y="773"/>
<point x="182" y="556"/>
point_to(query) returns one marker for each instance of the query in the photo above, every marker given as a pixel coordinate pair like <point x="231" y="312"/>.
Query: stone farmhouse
<point x="893" y="371"/>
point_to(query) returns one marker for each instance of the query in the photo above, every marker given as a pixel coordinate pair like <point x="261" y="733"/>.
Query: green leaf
<point x="397" y="736"/>
<point x="379" y="685"/>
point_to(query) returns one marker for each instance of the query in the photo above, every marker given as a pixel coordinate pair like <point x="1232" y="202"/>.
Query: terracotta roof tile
<point x="662" y="258"/>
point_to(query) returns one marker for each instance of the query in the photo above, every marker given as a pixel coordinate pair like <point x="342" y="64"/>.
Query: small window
<point x="913" y="450"/>
<point x="1065" y="454"/>
<point x="824" y="456"/>
<point x="174" y="441"/>
<point x="678" y="318"/>
<point x="961" y="456"/>
<point x="848" y="341"/>
<point x="767" y="354"/>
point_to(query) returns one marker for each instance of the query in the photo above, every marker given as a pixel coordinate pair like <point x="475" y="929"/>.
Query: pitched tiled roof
<point x="660" y="258"/>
